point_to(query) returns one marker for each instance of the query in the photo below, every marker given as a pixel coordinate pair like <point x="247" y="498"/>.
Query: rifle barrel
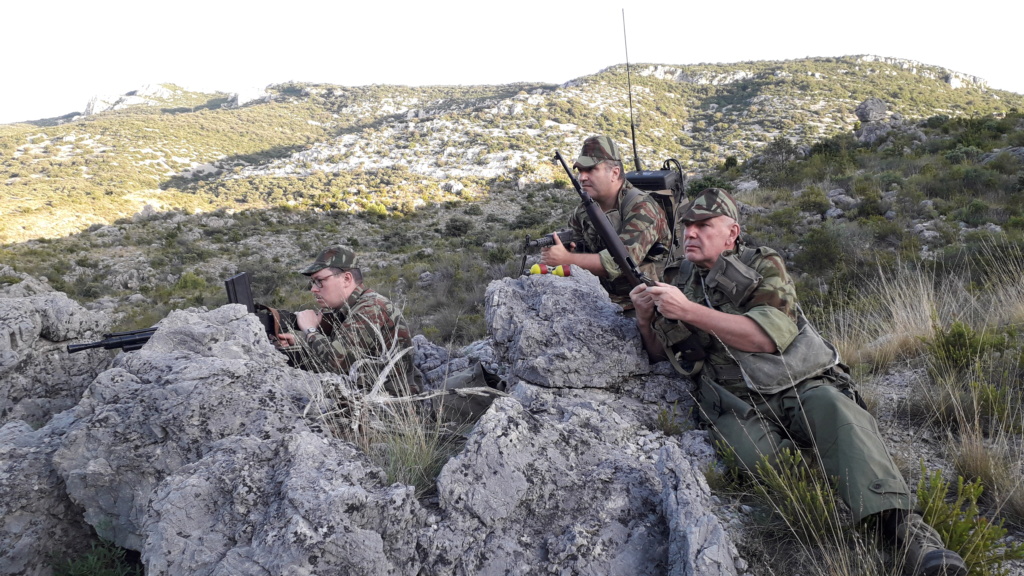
<point x="126" y="341"/>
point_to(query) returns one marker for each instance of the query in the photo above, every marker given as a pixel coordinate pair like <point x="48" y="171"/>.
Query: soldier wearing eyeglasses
<point x="354" y="328"/>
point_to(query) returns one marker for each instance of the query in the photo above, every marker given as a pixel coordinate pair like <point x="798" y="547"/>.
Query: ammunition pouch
<point x="683" y="346"/>
<point x="730" y="276"/>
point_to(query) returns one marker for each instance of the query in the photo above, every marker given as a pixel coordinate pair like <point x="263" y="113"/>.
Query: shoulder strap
<point x="631" y="197"/>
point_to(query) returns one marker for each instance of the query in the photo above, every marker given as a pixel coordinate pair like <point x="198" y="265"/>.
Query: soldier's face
<point x="704" y="241"/>
<point x="600" y="182"/>
<point x="334" y="289"/>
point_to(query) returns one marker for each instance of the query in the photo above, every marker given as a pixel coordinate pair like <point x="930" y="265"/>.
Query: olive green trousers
<point x="823" y="422"/>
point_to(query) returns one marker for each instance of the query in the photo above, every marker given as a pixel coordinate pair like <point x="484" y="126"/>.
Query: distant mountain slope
<point x="392" y="148"/>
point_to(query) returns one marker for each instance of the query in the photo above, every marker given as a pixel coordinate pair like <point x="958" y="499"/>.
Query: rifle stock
<point x="604" y="229"/>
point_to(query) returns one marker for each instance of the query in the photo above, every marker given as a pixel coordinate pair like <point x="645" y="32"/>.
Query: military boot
<point x="926" y="553"/>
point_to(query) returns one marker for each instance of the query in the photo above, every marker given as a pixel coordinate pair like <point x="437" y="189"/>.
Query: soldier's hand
<point x="643" y="302"/>
<point x="669" y="301"/>
<point x="285" y="340"/>
<point x="307" y="319"/>
<point x="555" y="255"/>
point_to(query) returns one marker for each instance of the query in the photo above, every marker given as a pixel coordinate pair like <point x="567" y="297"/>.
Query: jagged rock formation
<point x="39" y="378"/>
<point x="202" y="452"/>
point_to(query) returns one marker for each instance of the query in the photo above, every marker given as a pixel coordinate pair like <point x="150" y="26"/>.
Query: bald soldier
<point x="634" y="215"/>
<point x="767" y="381"/>
<point x="353" y="327"/>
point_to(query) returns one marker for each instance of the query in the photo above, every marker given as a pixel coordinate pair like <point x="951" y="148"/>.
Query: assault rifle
<point x="604" y="228"/>
<point x="239" y="292"/>
<point x="565" y="236"/>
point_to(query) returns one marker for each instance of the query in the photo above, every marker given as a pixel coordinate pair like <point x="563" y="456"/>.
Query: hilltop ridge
<point x="170" y="148"/>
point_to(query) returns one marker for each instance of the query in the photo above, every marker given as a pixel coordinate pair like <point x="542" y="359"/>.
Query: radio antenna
<point x="629" y="83"/>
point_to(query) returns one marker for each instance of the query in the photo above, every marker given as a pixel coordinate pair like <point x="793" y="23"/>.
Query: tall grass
<point x="374" y="407"/>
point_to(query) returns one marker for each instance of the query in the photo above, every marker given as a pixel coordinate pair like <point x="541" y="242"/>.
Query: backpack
<point x="668" y="188"/>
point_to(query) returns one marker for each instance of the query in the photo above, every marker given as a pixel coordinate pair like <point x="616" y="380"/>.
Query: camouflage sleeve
<point x="642" y="227"/>
<point x="773" y="304"/>
<point x="367" y="333"/>
<point x="575" y="223"/>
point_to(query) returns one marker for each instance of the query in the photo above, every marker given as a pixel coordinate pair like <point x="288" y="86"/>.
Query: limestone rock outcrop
<point x="39" y="378"/>
<point x="207" y="454"/>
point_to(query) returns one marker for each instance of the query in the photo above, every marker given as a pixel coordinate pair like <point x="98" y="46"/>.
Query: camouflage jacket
<point x="366" y="333"/>
<point x="640" y="228"/>
<point x="772" y="304"/>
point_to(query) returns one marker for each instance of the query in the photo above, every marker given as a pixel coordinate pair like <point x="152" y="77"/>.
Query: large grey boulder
<point x="207" y="454"/>
<point x="39" y="521"/>
<point x="872" y="110"/>
<point x="194" y="451"/>
<point x="559" y="331"/>
<point x="38" y="378"/>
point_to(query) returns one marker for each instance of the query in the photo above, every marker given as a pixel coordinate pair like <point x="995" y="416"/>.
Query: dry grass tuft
<point x="397" y="432"/>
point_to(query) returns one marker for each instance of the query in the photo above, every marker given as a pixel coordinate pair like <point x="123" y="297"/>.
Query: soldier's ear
<point x="734" y="232"/>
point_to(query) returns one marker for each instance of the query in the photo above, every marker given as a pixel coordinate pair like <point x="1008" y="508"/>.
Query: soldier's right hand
<point x="556" y="254"/>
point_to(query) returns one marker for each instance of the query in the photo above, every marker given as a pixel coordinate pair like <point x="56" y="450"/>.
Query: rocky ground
<point x="912" y="441"/>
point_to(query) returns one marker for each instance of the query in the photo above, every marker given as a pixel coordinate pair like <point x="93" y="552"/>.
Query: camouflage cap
<point x="597" y="149"/>
<point x="709" y="203"/>
<point x="336" y="256"/>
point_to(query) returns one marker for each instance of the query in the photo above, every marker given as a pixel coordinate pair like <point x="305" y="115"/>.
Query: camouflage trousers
<point x="813" y="416"/>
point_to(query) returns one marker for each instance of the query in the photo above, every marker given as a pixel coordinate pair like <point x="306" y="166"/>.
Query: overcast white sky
<point x="60" y="53"/>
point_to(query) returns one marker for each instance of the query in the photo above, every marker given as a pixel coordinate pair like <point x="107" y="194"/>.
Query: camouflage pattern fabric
<point x="772" y="306"/>
<point x="642" y="227"/>
<point x="336" y="256"/>
<point x="367" y="330"/>
<point x="595" y="150"/>
<point x="710" y="203"/>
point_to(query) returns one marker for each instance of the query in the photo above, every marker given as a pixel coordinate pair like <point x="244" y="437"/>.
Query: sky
<point x="60" y="53"/>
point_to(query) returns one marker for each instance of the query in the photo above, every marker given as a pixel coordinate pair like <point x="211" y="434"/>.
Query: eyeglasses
<point x="318" y="283"/>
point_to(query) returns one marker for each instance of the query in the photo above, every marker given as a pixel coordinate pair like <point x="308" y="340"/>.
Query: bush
<point x="821" y="252"/>
<point x="189" y="282"/>
<point x="103" y="559"/>
<point x="814" y="200"/>
<point x="458" y="226"/>
<point x="978" y="540"/>
<point x="975" y="213"/>
<point x="802" y="497"/>
<point x="958" y="346"/>
<point x="705" y="182"/>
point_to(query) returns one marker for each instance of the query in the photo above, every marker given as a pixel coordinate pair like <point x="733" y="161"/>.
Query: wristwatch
<point x="310" y="331"/>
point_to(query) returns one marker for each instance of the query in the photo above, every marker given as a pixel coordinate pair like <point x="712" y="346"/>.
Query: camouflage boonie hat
<point x="597" y="149"/>
<point x="336" y="256"/>
<point x="710" y="203"/>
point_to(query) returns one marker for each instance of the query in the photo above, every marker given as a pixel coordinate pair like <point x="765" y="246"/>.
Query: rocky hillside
<point x="842" y="164"/>
<point x="393" y="149"/>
